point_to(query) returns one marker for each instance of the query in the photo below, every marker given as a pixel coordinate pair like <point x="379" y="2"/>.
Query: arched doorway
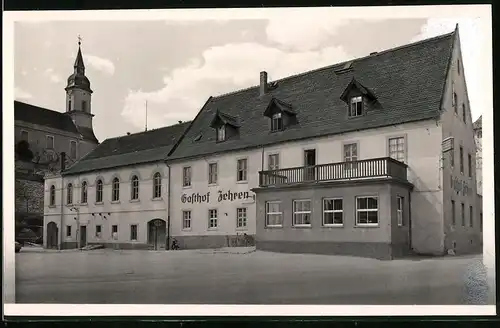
<point x="52" y="235"/>
<point x="157" y="233"/>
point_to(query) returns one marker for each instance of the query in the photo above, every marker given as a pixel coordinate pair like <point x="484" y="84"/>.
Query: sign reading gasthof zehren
<point x="222" y="196"/>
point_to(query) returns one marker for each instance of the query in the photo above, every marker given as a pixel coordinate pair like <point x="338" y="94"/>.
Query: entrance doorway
<point x="83" y="236"/>
<point x="157" y="234"/>
<point x="309" y="163"/>
<point x="52" y="240"/>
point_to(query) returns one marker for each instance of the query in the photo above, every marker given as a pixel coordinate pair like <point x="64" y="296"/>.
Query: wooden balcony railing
<point x="364" y="169"/>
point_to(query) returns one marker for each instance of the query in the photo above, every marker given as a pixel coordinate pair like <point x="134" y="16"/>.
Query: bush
<point x="23" y="151"/>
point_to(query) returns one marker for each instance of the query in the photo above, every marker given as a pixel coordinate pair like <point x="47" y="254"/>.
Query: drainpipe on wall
<point x="61" y="233"/>
<point x="409" y="221"/>
<point x="167" y="246"/>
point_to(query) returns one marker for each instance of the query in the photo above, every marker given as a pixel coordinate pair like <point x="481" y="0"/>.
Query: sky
<point x="175" y="65"/>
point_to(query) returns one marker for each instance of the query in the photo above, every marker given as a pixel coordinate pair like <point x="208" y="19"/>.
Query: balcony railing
<point x="355" y="170"/>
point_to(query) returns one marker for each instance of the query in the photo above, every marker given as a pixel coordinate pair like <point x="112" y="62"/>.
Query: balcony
<point x="385" y="167"/>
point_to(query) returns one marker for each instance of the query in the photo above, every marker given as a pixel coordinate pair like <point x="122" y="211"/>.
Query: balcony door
<point x="309" y="163"/>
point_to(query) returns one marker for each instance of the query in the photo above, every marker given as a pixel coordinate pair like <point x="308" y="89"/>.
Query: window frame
<point x="134" y="187"/>
<point x="134" y="229"/>
<point x="221" y="133"/>
<point x="469" y="164"/>
<point x="84" y="192"/>
<point x="348" y="159"/>
<point x="99" y="191"/>
<point x="464" y="113"/>
<point x="213" y="223"/>
<point x="52" y="195"/>
<point x="333" y="211"/>
<point x="471" y="216"/>
<point x="241" y="221"/>
<point x="398" y="152"/>
<point x="274" y="214"/>
<point x="400" y="210"/>
<point x="302" y="212"/>
<point x="157" y="185"/>
<point x="462" y="207"/>
<point x="27" y="133"/>
<point x="98" y="234"/>
<point x="47" y="138"/>
<point x="367" y="210"/>
<point x="68" y="231"/>
<point x="186" y="219"/>
<point x="115" y="189"/>
<point x="273" y="165"/>
<point x="277" y="122"/>
<point x="462" y="164"/>
<point x="244" y="170"/>
<point x="69" y="194"/>
<point x="73" y="142"/>
<point x="356" y="106"/>
<point x="213" y="176"/>
<point x="453" y="213"/>
<point x="186" y="176"/>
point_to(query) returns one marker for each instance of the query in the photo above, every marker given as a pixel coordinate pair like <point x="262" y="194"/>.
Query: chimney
<point x="63" y="161"/>
<point x="263" y="83"/>
<point x="180" y="122"/>
<point x="128" y="133"/>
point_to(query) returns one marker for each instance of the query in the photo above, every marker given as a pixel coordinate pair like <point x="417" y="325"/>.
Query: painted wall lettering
<point x="197" y="198"/>
<point x="231" y="196"/>
<point x="460" y="186"/>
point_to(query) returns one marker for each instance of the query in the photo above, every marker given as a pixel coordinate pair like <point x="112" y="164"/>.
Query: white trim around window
<point x="186" y="176"/>
<point x="274" y="214"/>
<point x="397" y="147"/>
<point x="241" y="218"/>
<point x="367" y="211"/>
<point x="302" y="212"/>
<point x="213" y="173"/>
<point x="186" y="220"/>
<point x="333" y="212"/>
<point x="212" y="219"/>
<point x="243" y="169"/>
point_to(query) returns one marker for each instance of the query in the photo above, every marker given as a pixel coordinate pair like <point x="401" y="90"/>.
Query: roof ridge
<point x="412" y="44"/>
<point x="144" y="132"/>
<point x="50" y="110"/>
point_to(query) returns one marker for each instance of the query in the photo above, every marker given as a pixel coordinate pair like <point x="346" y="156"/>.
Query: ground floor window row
<point x="366" y="212"/>
<point x="464" y="214"/>
<point x="213" y="218"/>
<point x="133" y="228"/>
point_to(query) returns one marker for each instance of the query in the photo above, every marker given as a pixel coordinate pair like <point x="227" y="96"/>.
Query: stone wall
<point x="29" y="193"/>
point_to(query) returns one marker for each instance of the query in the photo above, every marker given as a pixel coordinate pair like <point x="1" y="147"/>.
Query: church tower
<point x="78" y="94"/>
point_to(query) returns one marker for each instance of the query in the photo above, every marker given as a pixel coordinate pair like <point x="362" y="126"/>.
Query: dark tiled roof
<point x="478" y="124"/>
<point x="43" y="116"/>
<point x="408" y="82"/>
<point x="88" y="134"/>
<point x="143" y="147"/>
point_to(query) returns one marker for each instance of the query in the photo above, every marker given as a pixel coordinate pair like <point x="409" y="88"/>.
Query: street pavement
<point x="243" y="276"/>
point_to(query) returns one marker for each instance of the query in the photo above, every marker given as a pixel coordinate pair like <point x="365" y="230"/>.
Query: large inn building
<point x="372" y="157"/>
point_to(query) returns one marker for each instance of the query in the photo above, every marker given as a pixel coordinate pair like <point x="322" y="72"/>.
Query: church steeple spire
<point x="79" y="65"/>
<point x="78" y="79"/>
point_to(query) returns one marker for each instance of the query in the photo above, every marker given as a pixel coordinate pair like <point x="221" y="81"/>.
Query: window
<point x="274" y="162"/>
<point x="471" y="217"/>
<point x="115" y="190"/>
<point x="397" y="148"/>
<point x="72" y="149"/>
<point x="157" y="185"/>
<point x="114" y="232"/>
<point x="461" y="159"/>
<point x="68" y="231"/>
<point x="366" y="211"/>
<point x="276" y="122"/>
<point x="302" y="213"/>
<point x="453" y="213"/>
<point x="98" y="191"/>
<point x="333" y="211"/>
<point x="481" y="221"/>
<point x="133" y="232"/>
<point x="469" y="164"/>
<point x="69" y="105"/>
<point x="84" y="105"/>
<point x="464" y="114"/>
<point x="98" y="231"/>
<point x="49" y="142"/>
<point x="356" y="106"/>
<point x="274" y="215"/>
<point x="454" y="98"/>
<point x="212" y="173"/>
<point x="186" y="219"/>
<point x="69" y="195"/>
<point x="242" y="169"/>
<point x="463" y="214"/>
<point x="241" y="217"/>
<point x="452" y="157"/>
<point x="134" y="188"/>
<point x="400" y="210"/>
<point x="221" y="133"/>
<point x="52" y="200"/>
<point x="212" y="219"/>
<point x="458" y="66"/>
<point x="25" y="135"/>
<point x="350" y="155"/>
<point x="186" y="176"/>
<point x="84" y="192"/>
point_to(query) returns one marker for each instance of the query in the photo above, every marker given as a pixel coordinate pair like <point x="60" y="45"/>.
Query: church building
<point x="371" y="157"/>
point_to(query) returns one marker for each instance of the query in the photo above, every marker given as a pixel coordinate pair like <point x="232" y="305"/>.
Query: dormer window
<point x="276" y="122"/>
<point x="356" y="106"/>
<point x="221" y="133"/>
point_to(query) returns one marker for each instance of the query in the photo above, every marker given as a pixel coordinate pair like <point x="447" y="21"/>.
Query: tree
<point x="23" y="151"/>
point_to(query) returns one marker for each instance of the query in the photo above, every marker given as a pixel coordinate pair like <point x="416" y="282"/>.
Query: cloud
<point x="100" y="64"/>
<point x="49" y="72"/>
<point x="21" y="94"/>
<point x="471" y="44"/>
<point x="220" y="69"/>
